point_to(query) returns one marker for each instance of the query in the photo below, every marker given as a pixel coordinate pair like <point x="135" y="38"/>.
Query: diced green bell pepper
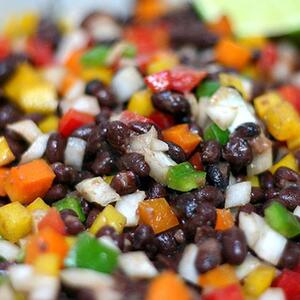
<point x="129" y="51"/>
<point x="214" y="132"/>
<point x="281" y="220"/>
<point x="183" y="177"/>
<point x="70" y="203"/>
<point x="95" y="57"/>
<point x="207" y="88"/>
<point x="89" y="253"/>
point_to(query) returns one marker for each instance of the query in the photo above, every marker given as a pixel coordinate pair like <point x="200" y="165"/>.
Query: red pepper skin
<point x="162" y="120"/>
<point x="5" y="47"/>
<point x="291" y="94"/>
<point x="128" y="116"/>
<point x="72" y="120"/>
<point x="196" y="162"/>
<point x="267" y="58"/>
<point x="232" y="292"/>
<point x="159" y="82"/>
<point x="40" y="52"/>
<point x="289" y="281"/>
<point x="53" y="219"/>
<point x="185" y="79"/>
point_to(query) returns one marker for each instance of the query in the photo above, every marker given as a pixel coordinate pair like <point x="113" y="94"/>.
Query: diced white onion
<point x="297" y="211"/>
<point x="36" y="149"/>
<point x="144" y="141"/>
<point x="125" y="82"/>
<point x="54" y="74"/>
<point x="260" y="162"/>
<point x="186" y="267"/>
<point x="238" y="194"/>
<point x="193" y="105"/>
<point x="6" y="292"/>
<point x="249" y="264"/>
<point x="108" y="241"/>
<point x="44" y="288"/>
<point x="202" y="116"/>
<point x="8" y="250"/>
<point x="21" y="277"/>
<point x="128" y="206"/>
<point x="27" y="129"/>
<point x="272" y="294"/>
<point x="137" y="265"/>
<point x="74" y="152"/>
<point x="98" y="191"/>
<point x="159" y="145"/>
<point x="76" y="90"/>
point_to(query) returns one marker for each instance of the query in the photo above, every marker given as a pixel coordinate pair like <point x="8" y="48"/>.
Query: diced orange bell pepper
<point x="158" y="214"/>
<point x="3" y="175"/>
<point x="73" y="62"/>
<point x="52" y="220"/>
<point x="68" y="81"/>
<point x="147" y="10"/>
<point x="218" y="277"/>
<point x="46" y="241"/>
<point x="26" y="182"/>
<point x="225" y="219"/>
<point x="232" y="54"/>
<point x="221" y="27"/>
<point x="167" y="286"/>
<point x="182" y="136"/>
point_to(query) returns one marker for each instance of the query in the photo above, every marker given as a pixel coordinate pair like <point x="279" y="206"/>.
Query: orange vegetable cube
<point x="26" y="182"/>
<point x="3" y="175"/>
<point x="182" y="136"/>
<point x="73" y="62"/>
<point x="158" y="214"/>
<point x="225" y="219"/>
<point x="232" y="54"/>
<point x="52" y="220"/>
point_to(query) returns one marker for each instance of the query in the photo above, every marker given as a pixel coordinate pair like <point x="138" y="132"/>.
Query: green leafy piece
<point x="207" y="88"/>
<point x="214" y="132"/>
<point x="95" y="57"/>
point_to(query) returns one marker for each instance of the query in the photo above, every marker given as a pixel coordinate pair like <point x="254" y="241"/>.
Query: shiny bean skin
<point x="72" y="223"/>
<point x="124" y="183"/>
<point x="210" y="152"/>
<point x="56" y="192"/>
<point x="285" y="177"/>
<point x="176" y="153"/>
<point x="103" y="163"/>
<point x="55" y="148"/>
<point x="64" y="174"/>
<point x="134" y="162"/>
<point x="290" y="256"/>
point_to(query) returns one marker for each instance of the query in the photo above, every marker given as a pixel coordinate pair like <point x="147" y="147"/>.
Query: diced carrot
<point x="3" y="175"/>
<point x="26" y="182"/>
<point x="147" y="10"/>
<point x="53" y="220"/>
<point x="167" y="286"/>
<point x="221" y="27"/>
<point x="182" y="136"/>
<point x="225" y="219"/>
<point x="158" y="214"/>
<point x="232" y="54"/>
<point x="73" y="62"/>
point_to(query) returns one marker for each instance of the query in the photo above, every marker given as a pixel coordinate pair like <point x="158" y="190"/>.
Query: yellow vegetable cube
<point x="264" y="102"/>
<point x="47" y="264"/>
<point x="28" y="23"/>
<point x="38" y="204"/>
<point x="164" y="61"/>
<point x="49" y="124"/>
<point x="288" y="161"/>
<point x="108" y="179"/>
<point x="258" y="280"/>
<point x="71" y="240"/>
<point x="6" y="155"/>
<point x="255" y="42"/>
<point x="235" y="81"/>
<point x="15" y="221"/>
<point x="109" y="216"/>
<point x="141" y="103"/>
<point x="101" y="73"/>
<point x="294" y="143"/>
<point x="254" y="181"/>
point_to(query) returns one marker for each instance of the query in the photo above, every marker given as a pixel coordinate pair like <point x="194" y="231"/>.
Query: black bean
<point x="103" y="163"/>
<point x="48" y="31"/>
<point x="72" y="223"/>
<point x="285" y="177"/>
<point x="176" y="152"/>
<point x="156" y="190"/>
<point x="83" y="132"/>
<point x="203" y="233"/>
<point x="209" y="255"/>
<point x="7" y="68"/>
<point x="82" y="175"/>
<point x="85" y="206"/>
<point x="271" y="193"/>
<point x="103" y="116"/>
<point x="94" y="212"/>
<point x="166" y="243"/>
<point x="109" y="231"/>
<point x="194" y="128"/>
<point x="210" y="152"/>
<point x="64" y="174"/>
<point x="17" y="146"/>
<point x="210" y="194"/>
<point x="134" y="162"/>
<point x="85" y="294"/>
<point x="55" y="148"/>
<point x="34" y="117"/>
<point x="118" y="135"/>
<point x="124" y="182"/>
<point x="290" y="196"/>
<point x="216" y="178"/>
<point x="257" y="195"/>
<point x="144" y="127"/>
<point x="56" y="192"/>
<point x="234" y="246"/>
<point x="247" y="130"/>
<point x="93" y="86"/>
<point x="291" y="255"/>
<point x="8" y="114"/>
<point x="266" y="180"/>
<point x="170" y="102"/>
<point x="96" y="139"/>
<point x="247" y="208"/>
<point x="237" y="152"/>
<point x="179" y="236"/>
<point x="186" y="205"/>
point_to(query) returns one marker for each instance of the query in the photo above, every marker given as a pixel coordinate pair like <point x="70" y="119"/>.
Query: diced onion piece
<point x="76" y="90"/>
<point x="8" y="250"/>
<point x="126" y="81"/>
<point x="297" y="211"/>
<point x="108" y="241"/>
<point x="249" y="264"/>
<point x="137" y="265"/>
<point x="6" y="292"/>
<point x="202" y="116"/>
<point x="128" y="206"/>
<point x="143" y="141"/>
<point x="158" y="145"/>
<point x="44" y="288"/>
<point x="260" y="162"/>
<point x="84" y="103"/>
<point x="193" y="105"/>
<point x="115" y="53"/>
<point x="54" y="74"/>
<point x="21" y="277"/>
<point x="27" y="129"/>
<point x="98" y="191"/>
<point x="36" y="149"/>
<point x="250" y="227"/>
<point x="238" y="194"/>
<point x="74" y="152"/>
<point x="272" y="294"/>
<point x="186" y="267"/>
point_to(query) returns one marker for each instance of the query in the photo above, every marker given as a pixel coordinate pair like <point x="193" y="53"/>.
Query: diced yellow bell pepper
<point x="254" y="181"/>
<point x="6" y="155"/>
<point x="264" y="102"/>
<point x="141" y="103"/>
<point x="47" y="264"/>
<point x="255" y="42"/>
<point x="235" y="81"/>
<point x="258" y="280"/>
<point x="101" y="73"/>
<point x="288" y="161"/>
<point x="162" y="62"/>
<point x="71" y="240"/>
<point x="11" y="27"/>
<point x="28" y="23"/>
<point x="38" y="204"/>
<point x="293" y="143"/>
<point x="251" y="71"/>
<point x="15" y="221"/>
<point x="109" y="216"/>
<point x="108" y="179"/>
<point x="50" y="123"/>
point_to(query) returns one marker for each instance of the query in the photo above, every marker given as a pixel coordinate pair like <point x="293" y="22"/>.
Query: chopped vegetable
<point x="95" y="56"/>
<point x="288" y="161"/>
<point x="6" y="155"/>
<point x="232" y="292"/>
<point x="74" y="152"/>
<point x="47" y="264"/>
<point x="207" y="88"/>
<point x="289" y="282"/>
<point x="159" y="82"/>
<point x="53" y="220"/>
<point x="37" y="204"/>
<point x="238" y="194"/>
<point x="3" y="175"/>
<point x="225" y="219"/>
<point x="141" y="103"/>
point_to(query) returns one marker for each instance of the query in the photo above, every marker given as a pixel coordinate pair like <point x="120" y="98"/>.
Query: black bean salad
<point x="156" y="158"/>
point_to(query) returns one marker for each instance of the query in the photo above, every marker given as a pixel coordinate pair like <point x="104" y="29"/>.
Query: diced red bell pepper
<point x="185" y="79"/>
<point x="128" y="116"/>
<point x="40" y="52"/>
<point x="5" y="47"/>
<point x="53" y="220"/>
<point x="289" y="281"/>
<point x="291" y="94"/>
<point x="162" y="120"/>
<point x="232" y="292"/>
<point x="196" y="162"/>
<point x="72" y="120"/>
<point x="159" y="82"/>
<point x="297" y="269"/>
<point x="268" y="57"/>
